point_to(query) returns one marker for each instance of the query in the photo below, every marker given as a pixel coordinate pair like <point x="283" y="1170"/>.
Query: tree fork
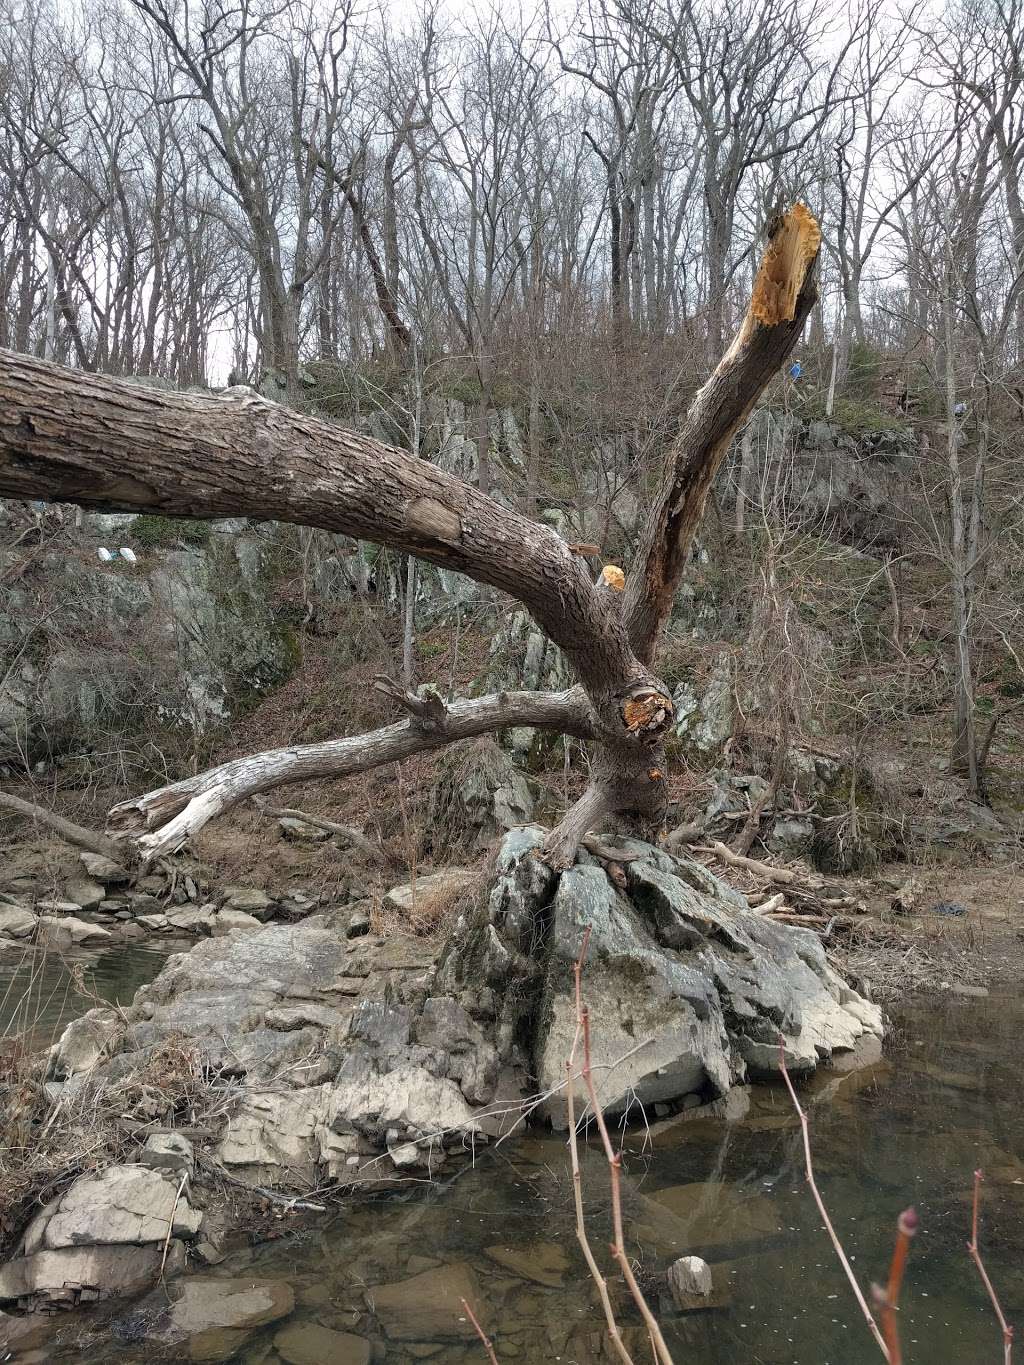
<point x="110" y="444"/>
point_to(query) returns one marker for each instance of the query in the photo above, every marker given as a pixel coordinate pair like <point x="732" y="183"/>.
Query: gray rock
<point x="68" y="931"/>
<point x="250" y="899"/>
<point x="57" y="907"/>
<point x="85" y="1043"/>
<point x="102" y="869"/>
<point x="358" y="924"/>
<point x="229" y="921"/>
<point x="210" y="1317"/>
<point x="791" y="836"/>
<point x="191" y="920"/>
<point x="272" y="1129"/>
<point x="689" y="1277"/>
<point x="692" y="991"/>
<point x="158" y="923"/>
<point x="64" y="1276"/>
<point x="16" y="921"/>
<point x="409" y="1099"/>
<point x="120" y="1205"/>
<point x="168" y="1152"/>
<point x="86" y="895"/>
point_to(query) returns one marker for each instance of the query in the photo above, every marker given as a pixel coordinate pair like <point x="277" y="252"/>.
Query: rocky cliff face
<point x="109" y="655"/>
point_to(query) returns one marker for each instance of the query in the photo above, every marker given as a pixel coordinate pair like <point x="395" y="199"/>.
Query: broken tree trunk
<point x="108" y="444"/>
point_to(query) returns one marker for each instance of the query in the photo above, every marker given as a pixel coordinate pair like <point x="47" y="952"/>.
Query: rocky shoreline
<point x="300" y="1063"/>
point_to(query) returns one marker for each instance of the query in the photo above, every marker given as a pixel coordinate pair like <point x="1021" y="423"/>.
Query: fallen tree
<point x="106" y="444"/>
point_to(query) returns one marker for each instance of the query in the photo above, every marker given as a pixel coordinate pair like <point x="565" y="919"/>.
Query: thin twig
<point x="888" y="1299"/>
<point x="488" y="1344"/>
<point x="972" y="1247"/>
<point x="170" y="1224"/>
<point x="615" y="1169"/>
<point x="577" y="1179"/>
<point x="809" y="1167"/>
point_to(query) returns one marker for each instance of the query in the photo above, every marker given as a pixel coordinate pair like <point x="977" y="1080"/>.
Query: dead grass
<point x="45" y="1145"/>
<point x="433" y="912"/>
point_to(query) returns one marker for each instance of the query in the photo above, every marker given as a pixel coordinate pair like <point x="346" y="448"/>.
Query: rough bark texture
<point x="783" y="296"/>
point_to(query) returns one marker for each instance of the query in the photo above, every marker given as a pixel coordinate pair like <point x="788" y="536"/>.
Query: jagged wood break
<point x="107" y="444"/>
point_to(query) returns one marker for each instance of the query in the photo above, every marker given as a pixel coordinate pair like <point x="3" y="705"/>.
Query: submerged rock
<point x="307" y="1343"/>
<point x="207" y="1318"/>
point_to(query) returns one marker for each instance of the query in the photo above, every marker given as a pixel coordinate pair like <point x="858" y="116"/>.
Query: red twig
<point x="615" y="1169"/>
<point x="488" y="1344"/>
<point x="888" y="1299"/>
<point x="809" y="1166"/>
<point x="972" y="1247"/>
<point x="577" y="1179"/>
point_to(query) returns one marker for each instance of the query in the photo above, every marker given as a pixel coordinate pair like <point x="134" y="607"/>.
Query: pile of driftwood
<point x="789" y="894"/>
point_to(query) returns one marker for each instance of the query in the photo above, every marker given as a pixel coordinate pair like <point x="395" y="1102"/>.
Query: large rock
<point x="16" y="921"/>
<point x="85" y="1043"/>
<point x="67" y="931"/>
<point x="207" y="1318"/>
<point x="308" y="1343"/>
<point x="274" y="1129"/>
<point x="688" y="991"/>
<point x="103" y="869"/>
<point x="74" y="1274"/>
<point x="121" y="1204"/>
<point x="428" y="1306"/>
<point x="86" y="894"/>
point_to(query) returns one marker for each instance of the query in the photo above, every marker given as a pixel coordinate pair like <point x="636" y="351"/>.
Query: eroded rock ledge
<point x="355" y="1062"/>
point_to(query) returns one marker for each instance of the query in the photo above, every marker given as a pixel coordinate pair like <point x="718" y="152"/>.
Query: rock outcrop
<point x="108" y="1233"/>
<point x="360" y="1060"/>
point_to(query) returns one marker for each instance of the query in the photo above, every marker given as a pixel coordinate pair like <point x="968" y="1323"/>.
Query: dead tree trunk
<point x="71" y="437"/>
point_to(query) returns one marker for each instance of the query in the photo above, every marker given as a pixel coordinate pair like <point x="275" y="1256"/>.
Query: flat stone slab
<point x="428" y="1307"/>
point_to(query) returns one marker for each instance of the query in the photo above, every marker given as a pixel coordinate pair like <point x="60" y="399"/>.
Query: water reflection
<point x="382" y="1282"/>
<point x="39" y="992"/>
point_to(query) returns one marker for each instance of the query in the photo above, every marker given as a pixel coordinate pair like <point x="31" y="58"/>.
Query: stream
<point x="381" y="1280"/>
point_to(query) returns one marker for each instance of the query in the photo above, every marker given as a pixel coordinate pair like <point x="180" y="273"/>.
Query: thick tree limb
<point x="784" y="293"/>
<point x="175" y="813"/>
<point x="109" y="444"/>
<point x="67" y="829"/>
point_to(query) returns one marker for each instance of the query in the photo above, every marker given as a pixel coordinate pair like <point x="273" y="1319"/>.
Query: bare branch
<point x="67" y="829"/>
<point x="175" y="813"/>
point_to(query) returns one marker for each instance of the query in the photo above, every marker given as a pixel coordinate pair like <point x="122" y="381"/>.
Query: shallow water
<point x="911" y="1129"/>
<point x="39" y="994"/>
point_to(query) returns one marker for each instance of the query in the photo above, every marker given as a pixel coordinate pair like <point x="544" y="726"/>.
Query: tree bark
<point x="784" y="294"/>
<point x="173" y="814"/>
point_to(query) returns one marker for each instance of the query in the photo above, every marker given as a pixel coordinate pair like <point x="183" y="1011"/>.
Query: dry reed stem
<point x="488" y="1344"/>
<point x="972" y="1247"/>
<point x="615" y="1168"/>
<point x="809" y="1168"/>
<point x="577" y="1179"/>
<point x="170" y="1224"/>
